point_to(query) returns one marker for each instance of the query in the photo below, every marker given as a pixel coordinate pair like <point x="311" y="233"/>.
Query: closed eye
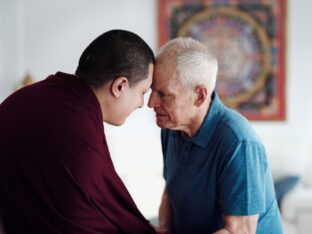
<point x="161" y="94"/>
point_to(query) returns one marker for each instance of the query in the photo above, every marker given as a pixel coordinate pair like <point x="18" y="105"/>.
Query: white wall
<point x="43" y="37"/>
<point x="11" y="45"/>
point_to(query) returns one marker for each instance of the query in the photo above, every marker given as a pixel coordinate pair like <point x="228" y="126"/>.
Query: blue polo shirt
<point x="222" y="170"/>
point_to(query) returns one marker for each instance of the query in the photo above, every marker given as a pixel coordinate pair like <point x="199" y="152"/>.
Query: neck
<point x="100" y="95"/>
<point x="197" y="121"/>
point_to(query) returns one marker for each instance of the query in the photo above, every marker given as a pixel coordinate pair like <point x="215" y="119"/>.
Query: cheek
<point x="129" y="107"/>
<point x="176" y="117"/>
<point x="136" y="101"/>
<point x="174" y="114"/>
<point x="139" y="100"/>
<point x="178" y="114"/>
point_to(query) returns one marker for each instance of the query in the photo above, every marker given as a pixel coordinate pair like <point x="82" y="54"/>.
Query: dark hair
<point x="113" y="54"/>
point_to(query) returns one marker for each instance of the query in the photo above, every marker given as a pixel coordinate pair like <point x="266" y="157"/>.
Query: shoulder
<point x="241" y="144"/>
<point x="236" y="127"/>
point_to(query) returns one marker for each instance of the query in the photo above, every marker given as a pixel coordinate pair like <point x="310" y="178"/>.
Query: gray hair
<point x="195" y="64"/>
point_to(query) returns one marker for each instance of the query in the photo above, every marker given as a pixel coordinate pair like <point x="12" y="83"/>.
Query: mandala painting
<point x="248" y="38"/>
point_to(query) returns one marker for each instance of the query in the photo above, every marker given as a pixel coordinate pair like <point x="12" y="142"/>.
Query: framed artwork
<point x="247" y="37"/>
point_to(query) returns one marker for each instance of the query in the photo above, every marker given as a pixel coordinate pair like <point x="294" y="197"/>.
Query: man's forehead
<point x="165" y="66"/>
<point x="168" y="84"/>
<point x="165" y="76"/>
<point x="158" y="84"/>
<point x="161" y="79"/>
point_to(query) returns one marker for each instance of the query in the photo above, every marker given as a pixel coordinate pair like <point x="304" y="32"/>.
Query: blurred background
<point x="38" y="38"/>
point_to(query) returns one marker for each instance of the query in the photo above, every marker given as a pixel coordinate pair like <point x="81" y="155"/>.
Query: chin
<point x="120" y="123"/>
<point x="162" y="124"/>
<point x="116" y="123"/>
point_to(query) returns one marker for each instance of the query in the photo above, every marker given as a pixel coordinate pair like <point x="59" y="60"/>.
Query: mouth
<point x="161" y="116"/>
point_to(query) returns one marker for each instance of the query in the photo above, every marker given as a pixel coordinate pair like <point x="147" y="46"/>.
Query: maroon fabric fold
<point x="56" y="173"/>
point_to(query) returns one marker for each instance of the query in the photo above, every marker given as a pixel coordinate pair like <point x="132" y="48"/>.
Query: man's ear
<point x="200" y="95"/>
<point x="118" y="85"/>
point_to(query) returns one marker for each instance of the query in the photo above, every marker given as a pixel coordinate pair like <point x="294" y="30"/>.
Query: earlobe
<point x="118" y="85"/>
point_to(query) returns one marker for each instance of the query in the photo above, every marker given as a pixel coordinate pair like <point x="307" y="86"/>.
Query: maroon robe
<point x="56" y="173"/>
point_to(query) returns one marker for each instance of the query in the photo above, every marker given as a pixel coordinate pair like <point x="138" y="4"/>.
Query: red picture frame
<point x="248" y="38"/>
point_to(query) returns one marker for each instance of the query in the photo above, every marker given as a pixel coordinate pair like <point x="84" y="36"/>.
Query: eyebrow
<point x="164" y="92"/>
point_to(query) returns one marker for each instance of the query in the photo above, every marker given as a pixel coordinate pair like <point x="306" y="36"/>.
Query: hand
<point x="160" y="230"/>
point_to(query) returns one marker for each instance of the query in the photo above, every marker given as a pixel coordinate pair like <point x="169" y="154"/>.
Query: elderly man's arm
<point x="239" y="224"/>
<point x="165" y="213"/>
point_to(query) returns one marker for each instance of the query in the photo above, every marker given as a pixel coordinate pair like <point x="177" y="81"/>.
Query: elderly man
<point x="217" y="175"/>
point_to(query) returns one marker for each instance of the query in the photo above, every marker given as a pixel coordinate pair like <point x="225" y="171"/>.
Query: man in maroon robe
<point x="56" y="173"/>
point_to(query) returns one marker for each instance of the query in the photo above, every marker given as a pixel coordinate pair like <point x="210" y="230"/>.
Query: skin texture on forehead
<point x="165" y="76"/>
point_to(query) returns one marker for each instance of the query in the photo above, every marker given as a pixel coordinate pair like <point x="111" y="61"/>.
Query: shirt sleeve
<point x="241" y="183"/>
